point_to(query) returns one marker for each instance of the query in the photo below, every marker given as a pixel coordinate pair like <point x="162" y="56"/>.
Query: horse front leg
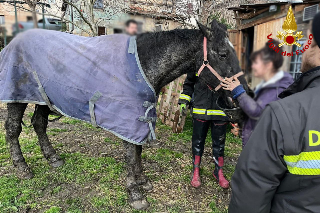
<point x="141" y="178"/>
<point x="13" y="130"/>
<point x="136" y="198"/>
<point x="40" y="123"/>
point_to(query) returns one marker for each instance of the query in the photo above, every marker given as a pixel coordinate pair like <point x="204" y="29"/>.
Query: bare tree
<point x="88" y="15"/>
<point x="95" y="12"/>
<point x="33" y="4"/>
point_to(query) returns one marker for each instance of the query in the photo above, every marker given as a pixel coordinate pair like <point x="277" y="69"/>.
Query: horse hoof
<point x="147" y="186"/>
<point x="140" y="204"/>
<point x="24" y="173"/>
<point x="57" y="163"/>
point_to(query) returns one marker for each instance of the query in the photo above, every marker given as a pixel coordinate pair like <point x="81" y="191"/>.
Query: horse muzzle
<point x="233" y="112"/>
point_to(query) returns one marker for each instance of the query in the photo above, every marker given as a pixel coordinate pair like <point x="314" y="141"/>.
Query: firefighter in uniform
<point x="205" y="114"/>
<point x="279" y="169"/>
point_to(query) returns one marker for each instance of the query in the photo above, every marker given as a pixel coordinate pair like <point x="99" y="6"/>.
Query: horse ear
<point x="219" y="30"/>
<point x="205" y="30"/>
<point x="214" y="24"/>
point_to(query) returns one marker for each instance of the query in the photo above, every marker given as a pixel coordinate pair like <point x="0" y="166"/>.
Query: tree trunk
<point x="34" y="17"/>
<point x="92" y="20"/>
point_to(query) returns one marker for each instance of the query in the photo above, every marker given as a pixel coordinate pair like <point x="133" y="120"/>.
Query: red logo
<point x="289" y="40"/>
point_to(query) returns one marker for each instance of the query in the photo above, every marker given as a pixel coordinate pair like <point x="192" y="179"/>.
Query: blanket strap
<point x="149" y="120"/>
<point x="43" y="93"/>
<point x="131" y="48"/>
<point x="92" y="101"/>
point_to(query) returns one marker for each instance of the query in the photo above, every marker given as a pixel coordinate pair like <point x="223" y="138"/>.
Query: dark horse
<point x="164" y="57"/>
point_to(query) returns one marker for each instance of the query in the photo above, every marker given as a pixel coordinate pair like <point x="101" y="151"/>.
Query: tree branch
<point x="66" y="20"/>
<point x="81" y="14"/>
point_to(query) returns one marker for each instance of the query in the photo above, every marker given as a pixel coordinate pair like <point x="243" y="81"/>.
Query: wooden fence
<point x="168" y="108"/>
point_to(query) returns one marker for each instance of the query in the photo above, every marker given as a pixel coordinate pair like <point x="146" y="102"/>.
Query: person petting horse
<point x="206" y="114"/>
<point x="266" y="64"/>
<point x="279" y="169"/>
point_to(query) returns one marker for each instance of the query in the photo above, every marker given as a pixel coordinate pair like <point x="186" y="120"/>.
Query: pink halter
<point x="206" y="64"/>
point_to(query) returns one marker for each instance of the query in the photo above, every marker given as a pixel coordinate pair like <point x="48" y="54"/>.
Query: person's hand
<point x="182" y="107"/>
<point x="230" y="83"/>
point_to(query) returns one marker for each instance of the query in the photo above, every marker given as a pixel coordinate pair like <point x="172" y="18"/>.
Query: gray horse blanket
<point x="93" y="79"/>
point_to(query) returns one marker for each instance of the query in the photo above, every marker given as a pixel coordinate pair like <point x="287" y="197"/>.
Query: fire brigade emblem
<point x="289" y="26"/>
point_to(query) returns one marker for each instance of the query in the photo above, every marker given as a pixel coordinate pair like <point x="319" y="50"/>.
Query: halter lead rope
<point x="206" y="64"/>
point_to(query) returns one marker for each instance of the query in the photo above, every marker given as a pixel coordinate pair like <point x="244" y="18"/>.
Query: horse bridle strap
<point x="206" y="64"/>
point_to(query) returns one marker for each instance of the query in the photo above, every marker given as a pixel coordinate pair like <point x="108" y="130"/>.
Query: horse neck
<point x="164" y="56"/>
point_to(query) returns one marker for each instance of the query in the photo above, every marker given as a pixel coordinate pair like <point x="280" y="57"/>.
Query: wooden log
<point x="175" y="121"/>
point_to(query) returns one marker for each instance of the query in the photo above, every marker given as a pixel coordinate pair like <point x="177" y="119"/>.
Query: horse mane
<point x="181" y="33"/>
<point x="218" y="32"/>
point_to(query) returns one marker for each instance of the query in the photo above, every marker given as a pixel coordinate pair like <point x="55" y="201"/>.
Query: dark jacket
<point x="279" y="169"/>
<point x="253" y="107"/>
<point x="204" y="100"/>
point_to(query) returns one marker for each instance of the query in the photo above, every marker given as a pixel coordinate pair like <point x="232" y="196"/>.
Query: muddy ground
<point x="93" y="177"/>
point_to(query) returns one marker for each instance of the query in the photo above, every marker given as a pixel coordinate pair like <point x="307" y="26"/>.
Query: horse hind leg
<point x="141" y="178"/>
<point x="136" y="198"/>
<point x="40" y="123"/>
<point x="13" y="130"/>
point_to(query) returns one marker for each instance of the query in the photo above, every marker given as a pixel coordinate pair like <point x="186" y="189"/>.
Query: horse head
<point x="219" y="60"/>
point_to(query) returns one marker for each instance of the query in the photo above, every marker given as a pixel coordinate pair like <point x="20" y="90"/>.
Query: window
<point x="1" y="19"/>
<point x="101" y="31"/>
<point x="54" y="21"/>
<point x="116" y="31"/>
<point x="29" y="18"/>
<point x="98" y="4"/>
<point x="40" y="21"/>
<point x="310" y="12"/>
<point x="295" y="64"/>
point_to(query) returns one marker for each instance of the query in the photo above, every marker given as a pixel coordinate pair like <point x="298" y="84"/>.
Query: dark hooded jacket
<point x="204" y="100"/>
<point x="253" y="108"/>
<point x="279" y="168"/>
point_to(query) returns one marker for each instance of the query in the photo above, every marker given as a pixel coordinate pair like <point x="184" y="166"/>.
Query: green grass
<point x="95" y="183"/>
<point x="110" y="141"/>
<point x="67" y="120"/>
<point x="166" y="155"/>
<point x="79" y="170"/>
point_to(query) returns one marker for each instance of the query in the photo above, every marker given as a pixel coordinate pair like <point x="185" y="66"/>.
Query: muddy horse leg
<point x="13" y="130"/>
<point x="141" y="178"/>
<point x="136" y="198"/>
<point x="40" y="123"/>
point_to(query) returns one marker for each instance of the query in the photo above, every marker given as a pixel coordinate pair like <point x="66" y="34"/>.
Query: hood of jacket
<point x="308" y="79"/>
<point x="284" y="82"/>
<point x="281" y="81"/>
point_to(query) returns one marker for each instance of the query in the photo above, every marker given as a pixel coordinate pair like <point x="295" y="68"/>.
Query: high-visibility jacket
<point x="204" y="100"/>
<point x="279" y="169"/>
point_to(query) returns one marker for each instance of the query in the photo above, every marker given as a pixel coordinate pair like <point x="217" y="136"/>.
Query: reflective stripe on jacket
<point x="279" y="169"/>
<point x="204" y="100"/>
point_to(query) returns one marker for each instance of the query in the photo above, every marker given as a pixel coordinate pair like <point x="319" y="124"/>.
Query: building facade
<point x="254" y="22"/>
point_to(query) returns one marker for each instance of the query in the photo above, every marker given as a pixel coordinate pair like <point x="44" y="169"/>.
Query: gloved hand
<point x="183" y="107"/>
